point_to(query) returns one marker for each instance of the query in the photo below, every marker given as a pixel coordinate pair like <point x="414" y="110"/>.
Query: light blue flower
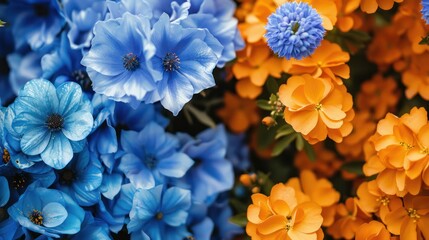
<point x="186" y="57"/>
<point x="151" y="155"/>
<point x="425" y="10"/>
<point x="159" y="214"/>
<point x="119" y="64"/>
<point x="47" y="211"/>
<point x="52" y="122"/>
<point x="295" y="30"/>
<point x="135" y="7"/>
<point x="81" y="178"/>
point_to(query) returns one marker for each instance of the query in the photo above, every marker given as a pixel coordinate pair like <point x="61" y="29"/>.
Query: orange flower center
<point x="383" y="200"/>
<point x="406" y="145"/>
<point x="318" y="106"/>
<point x="424" y="151"/>
<point x="288" y="224"/>
<point x="6" y="156"/>
<point x="412" y="213"/>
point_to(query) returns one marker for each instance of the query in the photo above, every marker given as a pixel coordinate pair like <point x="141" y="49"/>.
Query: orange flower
<point x="281" y="216"/>
<point x="346" y="17"/>
<point x="352" y="145"/>
<point x="328" y="61"/>
<point x="372" y="231"/>
<point x="246" y="89"/>
<point x="416" y="77"/>
<point x="410" y="221"/>
<point x="238" y="113"/>
<point x="316" y="108"/>
<point x="396" y="143"/>
<point x="370" y="6"/>
<point x="379" y="95"/>
<point x="253" y="29"/>
<point x="325" y="165"/>
<point x="319" y="191"/>
<point x="326" y="8"/>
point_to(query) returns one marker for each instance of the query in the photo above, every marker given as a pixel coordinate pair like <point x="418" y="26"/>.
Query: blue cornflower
<point x="119" y="64"/>
<point x="81" y="178"/>
<point x="47" y="211"/>
<point x="295" y="30"/>
<point x="150" y="155"/>
<point x="425" y="10"/>
<point x="52" y="122"/>
<point x="186" y="57"/>
<point x="159" y="214"/>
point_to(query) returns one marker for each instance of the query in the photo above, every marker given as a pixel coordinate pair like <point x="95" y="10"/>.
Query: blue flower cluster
<point x="85" y="151"/>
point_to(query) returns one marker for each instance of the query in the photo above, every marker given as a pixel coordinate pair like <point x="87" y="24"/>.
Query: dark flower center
<point x="67" y="176"/>
<point x="36" y="217"/>
<point x="82" y="78"/>
<point x="159" y="216"/>
<point x="130" y="61"/>
<point x="295" y="27"/>
<point x="6" y="156"/>
<point x="150" y="161"/>
<point x="20" y="180"/>
<point x="171" y="62"/>
<point x="41" y="10"/>
<point x="55" y="122"/>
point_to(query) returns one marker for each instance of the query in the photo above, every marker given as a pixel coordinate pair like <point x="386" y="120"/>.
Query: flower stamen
<point x="6" y="156"/>
<point x="55" y="122"/>
<point x="36" y="217"/>
<point x="171" y="62"/>
<point x="131" y="62"/>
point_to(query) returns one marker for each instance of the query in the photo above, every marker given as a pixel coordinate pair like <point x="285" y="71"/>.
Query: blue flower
<point x="186" y="57"/>
<point x="295" y="30"/>
<point x="211" y="173"/>
<point x="159" y="214"/>
<point x="36" y="23"/>
<point x="139" y="7"/>
<point x="92" y="228"/>
<point x="238" y="152"/>
<point x="81" y="15"/>
<point x="52" y="122"/>
<point x="81" y="178"/>
<point x="47" y="211"/>
<point x="425" y="10"/>
<point x="150" y="155"/>
<point x="119" y="64"/>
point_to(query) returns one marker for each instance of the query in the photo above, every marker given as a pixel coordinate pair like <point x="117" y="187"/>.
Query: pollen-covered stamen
<point x="130" y="61"/>
<point x="20" y="180"/>
<point x="171" y="62"/>
<point x="159" y="216"/>
<point x="36" y="217"/>
<point x="6" y="156"/>
<point x="55" y="122"/>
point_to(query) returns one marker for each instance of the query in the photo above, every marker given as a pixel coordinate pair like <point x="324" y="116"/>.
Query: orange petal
<point x="272" y="225"/>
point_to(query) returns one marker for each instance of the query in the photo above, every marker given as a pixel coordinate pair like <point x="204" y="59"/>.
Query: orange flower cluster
<point x="317" y="108"/>
<point x="326" y="163"/>
<point x="293" y="211"/>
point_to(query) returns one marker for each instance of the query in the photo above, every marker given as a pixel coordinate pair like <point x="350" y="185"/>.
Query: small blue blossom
<point x="119" y="64"/>
<point x="150" y="155"/>
<point x="47" y="211"/>
<point x="52" y="122"/>
<point x="159" y="214"/>
<point x="425" y="10"/>
<point x="295" y="30"/>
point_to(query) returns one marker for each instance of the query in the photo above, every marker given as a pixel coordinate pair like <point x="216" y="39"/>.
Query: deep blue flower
<point x="52" y="122"/>
<point x="238" y="152"/>
<point x="47" y="211"/>
<point x="92" y="228"/>
<point x="295" y="30"/>
<point x="119" y="64"/>
<point x="221" y="212"/>
<point x="81" y="15"/>
<point x="186" y="57"/>
<point x="211" y="173"/>
<point x="159" y="214"/>
<point x="425" y="10"/>
<point x="36" y="23"/>
<point x="150" y="155"/>
<point x="81" y="178"/>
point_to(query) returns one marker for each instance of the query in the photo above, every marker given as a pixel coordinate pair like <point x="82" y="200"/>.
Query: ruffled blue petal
<point x="59" y="152"/>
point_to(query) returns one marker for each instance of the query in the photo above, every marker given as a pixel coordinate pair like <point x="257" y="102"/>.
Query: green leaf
<point x="353" y="167"/>
<point x="201" y="116"/>
<point x="308" y="149"/>
<point x="239" y="219"/>
<point x="238" y="205"/>
<point x="284" y="130"/>
<point x="424" y="41"/>
<point x="272" y="85"/>
<point x="263" y="104"/>
<point x="282" y="144"/>
<point x="299" y="143"/>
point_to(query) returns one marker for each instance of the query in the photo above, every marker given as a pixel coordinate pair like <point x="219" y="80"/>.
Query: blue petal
<point x="70" y="95"/>
<point x="26" y="121"/>
<point x="41" y="94"/>
<point x="178" y="92"/>
<point x="111" y="185"/>
<point x="4" y="189"/>
<point x="176" y="218"/>
<point x="59" y="152"/>
<point x="54" y="214"/>
<point x="35" y="140"/>
<point x="78" y="125"/>
<point x="139" y="175"/>
<point x="128" y="143"/>
<point x="175" y="165"/>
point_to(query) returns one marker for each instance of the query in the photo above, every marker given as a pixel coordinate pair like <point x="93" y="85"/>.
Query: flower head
<point x="294" y="30"/>
<point x="52" y="121"/>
